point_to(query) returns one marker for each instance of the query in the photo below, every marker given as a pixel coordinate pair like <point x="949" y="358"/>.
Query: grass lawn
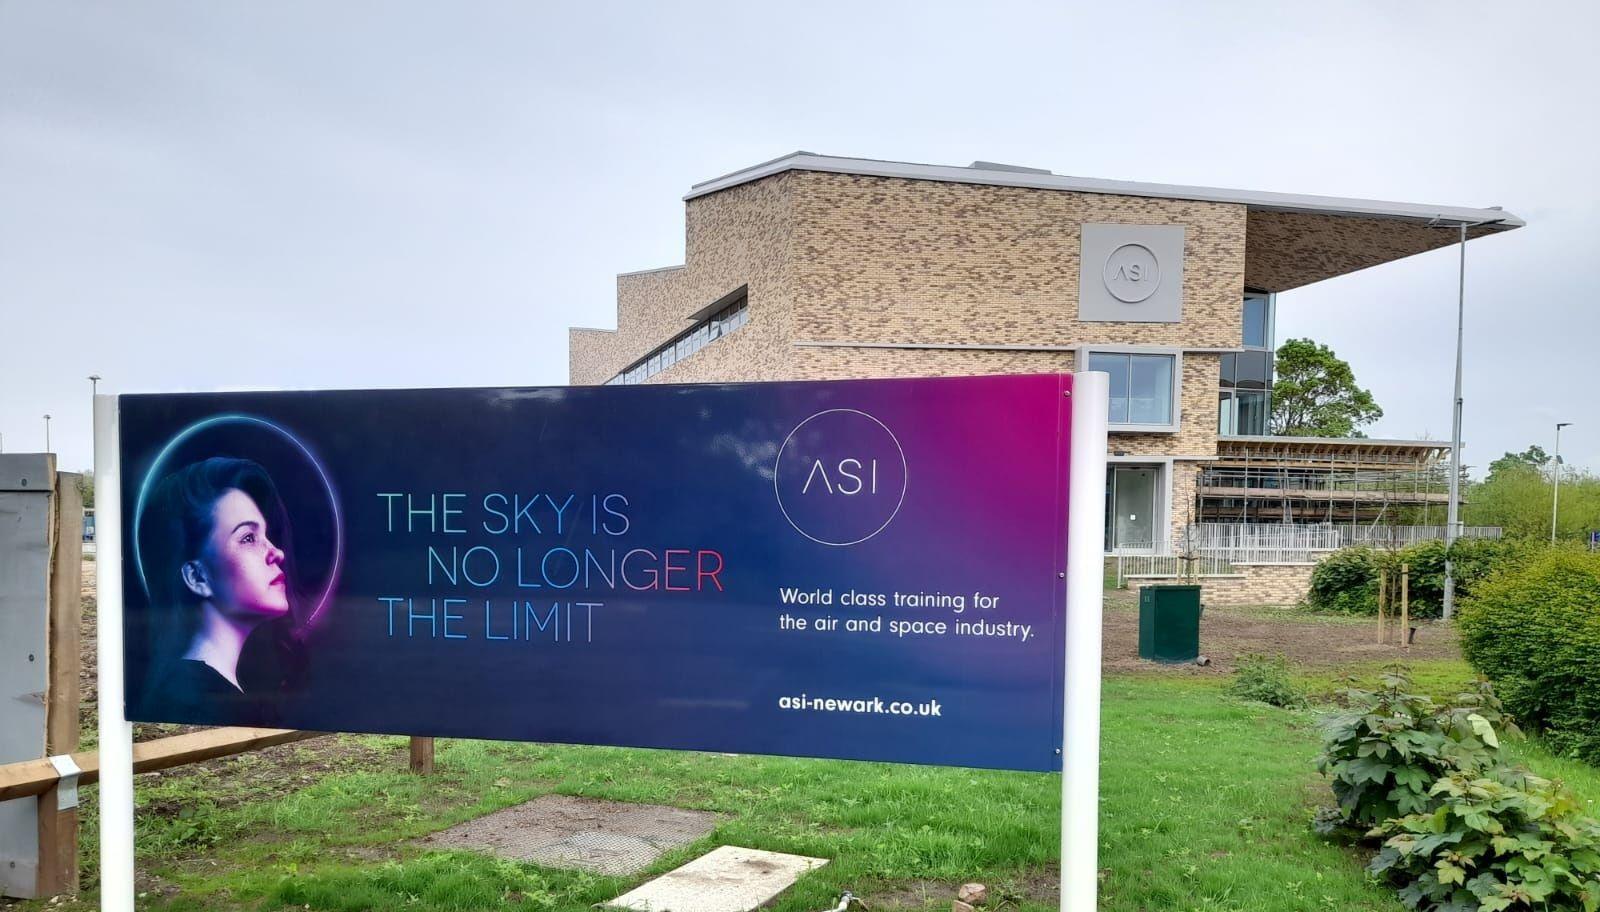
<point x="1205" y="806"/>
<point x="1205" y="802"/>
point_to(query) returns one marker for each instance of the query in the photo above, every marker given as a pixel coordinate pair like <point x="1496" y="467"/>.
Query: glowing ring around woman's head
<point x="191" y="430"/>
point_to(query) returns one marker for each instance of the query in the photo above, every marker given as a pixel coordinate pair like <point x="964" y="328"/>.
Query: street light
<point x="1555" y="499"/>
<point x="94" y="384"/>
<point x="1453" y="520"/>
<point x="47" y="433"/>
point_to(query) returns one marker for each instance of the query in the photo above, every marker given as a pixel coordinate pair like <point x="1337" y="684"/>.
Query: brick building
<point x="812" y="267"/>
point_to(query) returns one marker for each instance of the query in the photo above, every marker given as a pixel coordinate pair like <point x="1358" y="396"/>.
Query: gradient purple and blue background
<point x="984" y="510"/>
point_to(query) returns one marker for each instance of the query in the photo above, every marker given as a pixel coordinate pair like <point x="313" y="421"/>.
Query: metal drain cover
<point x="560" y="831"/>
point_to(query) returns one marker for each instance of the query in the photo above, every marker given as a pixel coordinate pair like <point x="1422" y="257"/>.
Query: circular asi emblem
<point x="1132" y="273"/>
<point x="840" y="477"/>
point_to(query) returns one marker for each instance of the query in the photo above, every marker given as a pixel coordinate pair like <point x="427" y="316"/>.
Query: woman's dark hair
<point x="173" y="529"/>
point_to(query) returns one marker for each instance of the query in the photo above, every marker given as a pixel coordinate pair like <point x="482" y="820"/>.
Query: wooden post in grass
<point x="1405" y="607"/>
<point x="422" y="756"/>
<point x="58" y="807"/>
<point x="1383" y="590"/>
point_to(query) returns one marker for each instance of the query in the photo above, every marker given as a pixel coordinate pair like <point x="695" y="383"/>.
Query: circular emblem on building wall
<point x="840" y="477"/>
<point x="1132" y="273"/>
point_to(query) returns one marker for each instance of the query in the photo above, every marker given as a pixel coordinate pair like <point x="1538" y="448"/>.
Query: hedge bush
<point x="1347" y="580"/>
<point x="1535" y="631"/>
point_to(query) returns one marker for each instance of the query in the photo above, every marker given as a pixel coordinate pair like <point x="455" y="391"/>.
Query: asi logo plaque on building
<point x="1131" y="274"/>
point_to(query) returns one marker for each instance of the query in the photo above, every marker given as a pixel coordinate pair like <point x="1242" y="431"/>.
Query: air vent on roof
<point x="997" y="166"/>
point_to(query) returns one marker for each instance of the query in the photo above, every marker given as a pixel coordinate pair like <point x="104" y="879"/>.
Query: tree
<point x="1517" y="496"/>
<point x="1315" y="394"/>
<point x="86" y="488"/>
<point x="1531" y="460"/>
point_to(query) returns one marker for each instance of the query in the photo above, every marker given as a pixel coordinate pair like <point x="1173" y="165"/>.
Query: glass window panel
<point x="1252" y="413"/>
<point x="1255" y="321"/>
<point x="1117" y="366"/>
<point x="1227" y="370"/>
<point x="1133" y="501"/>
<point x="1150" y="392"/>
<point x="1225" y="413"/>
<point x="1253" y="370"/>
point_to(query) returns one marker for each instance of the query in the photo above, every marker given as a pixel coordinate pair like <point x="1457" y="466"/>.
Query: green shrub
<point x="1475" y="559"/>
<point x="1266" y="680"/>
<point x="1535" y="631"/>
<point x="1384" y="754"/>
<point x="1347" y="581"/>
<point x="1512" y="841"/>
<point x="1459" y="830"/>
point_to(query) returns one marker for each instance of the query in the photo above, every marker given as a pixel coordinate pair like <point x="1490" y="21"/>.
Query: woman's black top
<point x="192" y="691"/>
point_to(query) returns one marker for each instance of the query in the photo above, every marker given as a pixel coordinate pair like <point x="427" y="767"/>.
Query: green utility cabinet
<point x="1169" y="623"/>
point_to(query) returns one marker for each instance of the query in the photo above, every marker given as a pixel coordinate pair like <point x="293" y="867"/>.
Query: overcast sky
<point x="312" y="194"/>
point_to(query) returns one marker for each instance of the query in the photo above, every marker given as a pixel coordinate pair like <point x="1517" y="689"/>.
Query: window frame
<point x="1081" y="361"/>
<point x="731" y="317"/>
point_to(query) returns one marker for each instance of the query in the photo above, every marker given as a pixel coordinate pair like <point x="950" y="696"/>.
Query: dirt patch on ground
<point x="1040" y="886"/>
<point x="1226" y="635"/>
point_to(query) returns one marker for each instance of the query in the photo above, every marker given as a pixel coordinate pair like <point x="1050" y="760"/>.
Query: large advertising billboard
<point x="859" y="569"/>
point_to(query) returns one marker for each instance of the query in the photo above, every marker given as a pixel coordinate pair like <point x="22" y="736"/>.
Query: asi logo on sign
<point x="840" y="477"/>
<point x="1132" y="273"/>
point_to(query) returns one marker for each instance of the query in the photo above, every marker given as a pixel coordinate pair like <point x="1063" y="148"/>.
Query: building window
<point x="1133" y="498"/>
<point x="686" y="343"/>
<point x="1258" y="307"/>
<point x="1245" y="395"/>
<point x="1143" y="388"/>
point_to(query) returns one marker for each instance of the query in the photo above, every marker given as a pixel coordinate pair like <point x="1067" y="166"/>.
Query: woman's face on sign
<point x="244" y="567"/>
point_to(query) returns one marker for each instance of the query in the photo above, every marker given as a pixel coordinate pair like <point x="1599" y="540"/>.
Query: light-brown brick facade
<point x="855" y="276"/>
<point x="855" y="268"/>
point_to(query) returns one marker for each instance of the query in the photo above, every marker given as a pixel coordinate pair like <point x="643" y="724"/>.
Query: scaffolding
<point x="1330" y="481"/>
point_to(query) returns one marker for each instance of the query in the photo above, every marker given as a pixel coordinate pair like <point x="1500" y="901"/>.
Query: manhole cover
<point x="560" y="831"/>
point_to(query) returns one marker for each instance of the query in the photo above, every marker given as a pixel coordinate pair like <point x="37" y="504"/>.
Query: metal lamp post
<point x="1555" y="498"/>
<point x="1453" y="520"/>
<point x="1454" y="508"/>
<point x="47" y="433"/>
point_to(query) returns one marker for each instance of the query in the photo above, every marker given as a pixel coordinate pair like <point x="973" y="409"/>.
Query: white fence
<point x="1318" y="537"/>
<point x="1171" y="566"/>
<point x="1213" y="549"/>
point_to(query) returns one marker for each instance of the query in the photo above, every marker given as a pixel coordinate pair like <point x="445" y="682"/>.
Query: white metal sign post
<point x="116" y="732"/>
<point x="1080" y="761"/>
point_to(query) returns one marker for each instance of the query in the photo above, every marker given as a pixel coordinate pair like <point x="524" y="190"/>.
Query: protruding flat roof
<point x="1015" y="176"/>
<point x="1237" y="446"/>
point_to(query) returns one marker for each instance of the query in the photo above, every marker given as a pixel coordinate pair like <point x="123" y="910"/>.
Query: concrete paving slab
<point x="561" y="831"/>
<point x="728" y="879"/>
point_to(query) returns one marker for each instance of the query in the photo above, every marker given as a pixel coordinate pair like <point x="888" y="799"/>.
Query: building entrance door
<point x="1131" y="508"/>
